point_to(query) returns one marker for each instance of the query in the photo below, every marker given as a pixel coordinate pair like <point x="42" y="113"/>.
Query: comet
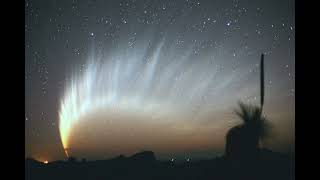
<point x="151" y="80"/>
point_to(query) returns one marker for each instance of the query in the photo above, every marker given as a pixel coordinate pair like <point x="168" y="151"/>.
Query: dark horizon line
<point x="220" y="155"/>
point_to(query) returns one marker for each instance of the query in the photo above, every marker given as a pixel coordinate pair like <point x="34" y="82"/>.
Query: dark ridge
<point x="144" y="156"/>
<point x="144" y="165"/>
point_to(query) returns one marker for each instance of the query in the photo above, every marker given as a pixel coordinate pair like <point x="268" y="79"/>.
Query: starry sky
<point x="104" y="78"/>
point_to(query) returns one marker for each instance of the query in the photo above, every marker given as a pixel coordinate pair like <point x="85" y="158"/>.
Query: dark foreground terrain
<point x="144" y="166"/>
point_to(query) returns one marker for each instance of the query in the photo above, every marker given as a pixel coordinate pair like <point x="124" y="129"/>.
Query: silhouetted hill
<point x="144" y="165"/>
<point x="145" y="157"/>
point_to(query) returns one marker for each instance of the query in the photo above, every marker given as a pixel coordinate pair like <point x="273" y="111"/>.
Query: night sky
<point x="104" y="78"/>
